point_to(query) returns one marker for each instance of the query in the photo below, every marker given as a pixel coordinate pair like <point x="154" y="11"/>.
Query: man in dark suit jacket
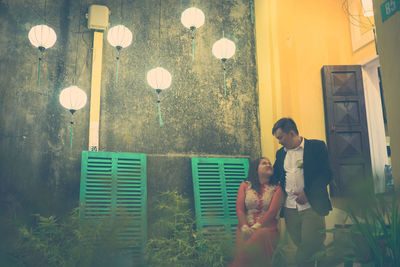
<point x="302" y="167"/>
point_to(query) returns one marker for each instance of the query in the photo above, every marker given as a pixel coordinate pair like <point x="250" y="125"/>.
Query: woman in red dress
<point x="257" y="208"/>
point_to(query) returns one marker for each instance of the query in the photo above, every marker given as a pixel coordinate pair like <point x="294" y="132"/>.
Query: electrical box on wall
<point x="98" y="17"/>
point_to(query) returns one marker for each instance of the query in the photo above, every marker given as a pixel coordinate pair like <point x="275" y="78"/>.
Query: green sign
<point x="389" y="7"/>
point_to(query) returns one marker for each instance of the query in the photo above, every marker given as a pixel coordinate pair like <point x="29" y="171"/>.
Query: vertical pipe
<point x="95" y="91"/>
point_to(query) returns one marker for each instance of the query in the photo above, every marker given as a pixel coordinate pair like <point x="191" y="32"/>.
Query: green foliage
<point x="379" y="225"/>
<point x="173" y="240"/>
<point x="70" y="241"/>
<point x="373" y="237"/>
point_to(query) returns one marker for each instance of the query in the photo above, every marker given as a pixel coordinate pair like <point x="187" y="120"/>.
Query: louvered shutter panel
<point x="114" y="184"/>
<point x="215" y="183"/>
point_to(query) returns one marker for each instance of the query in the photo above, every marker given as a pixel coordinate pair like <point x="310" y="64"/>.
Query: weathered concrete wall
<point x="38" y="170"/>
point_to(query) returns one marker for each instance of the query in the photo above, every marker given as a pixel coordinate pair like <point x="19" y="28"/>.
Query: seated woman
<point x="257" y="208"/>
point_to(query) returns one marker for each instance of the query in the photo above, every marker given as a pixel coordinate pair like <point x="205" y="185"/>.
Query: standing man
<point x="302" y="167"/>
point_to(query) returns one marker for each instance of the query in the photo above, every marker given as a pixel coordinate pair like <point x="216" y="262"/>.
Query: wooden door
<point x="346" y="128"/>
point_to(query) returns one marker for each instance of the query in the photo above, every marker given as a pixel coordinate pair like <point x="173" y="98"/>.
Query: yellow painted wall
<point x="388" y="39"/>
<point x="294" y="40"/>
<point x="266" y="17"/>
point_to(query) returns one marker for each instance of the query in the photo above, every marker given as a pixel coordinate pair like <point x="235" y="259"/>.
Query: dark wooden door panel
<point x="348" y="144"/>
<point x="346" y="127"/>
<point x="344" y="83"/>
<point x="346" y="113"/>
<point x="351" y="174"/>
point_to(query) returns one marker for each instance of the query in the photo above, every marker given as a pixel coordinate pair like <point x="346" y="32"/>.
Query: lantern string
<point x="252" y="11"/>
<point x="44" y="11"/>
<point x="77" y="41"/>
<point x="159" y="35"/>
<point x="121" y="13"/>
<point x="223" y="17"/>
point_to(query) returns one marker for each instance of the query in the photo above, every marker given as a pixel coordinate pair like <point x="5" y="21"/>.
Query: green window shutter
<point x="215" y="183"/>
<point x="114" y="184"/>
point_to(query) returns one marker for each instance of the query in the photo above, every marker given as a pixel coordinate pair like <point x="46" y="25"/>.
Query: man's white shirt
<point x="293" y="166"/>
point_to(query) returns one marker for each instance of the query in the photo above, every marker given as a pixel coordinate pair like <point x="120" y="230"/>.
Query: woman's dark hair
<point x="253" y="175"/>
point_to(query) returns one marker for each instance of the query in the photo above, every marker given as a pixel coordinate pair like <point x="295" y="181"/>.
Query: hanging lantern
<point x="224" y="49"/>
<point x="159" y="79"/>
<point x="42" y="37"/>
<point x="367" y="8"/>
<point x="120" y="37"/>
<point x="192" y="18"/>
<point x="72" y="98"/>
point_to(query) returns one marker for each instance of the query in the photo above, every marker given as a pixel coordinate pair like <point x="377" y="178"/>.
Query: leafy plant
<point x="70" y="241"/>
<point x="379" y="225"/>
<point x="174" y="241"/>
<point x="373" y="236"/>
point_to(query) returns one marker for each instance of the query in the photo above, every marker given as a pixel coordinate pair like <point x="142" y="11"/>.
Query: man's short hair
<point x="286" y="125"/>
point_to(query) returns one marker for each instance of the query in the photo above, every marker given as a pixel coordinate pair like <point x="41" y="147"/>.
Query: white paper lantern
<point x="42" y="36"/>
<point x="192" y="18"/>
<point x="119" y="36"/>
<point x="223" y="49"/>
<point x="159" y="78"/>
<point x="367" y="8"/>
<point x="73" y="98"/>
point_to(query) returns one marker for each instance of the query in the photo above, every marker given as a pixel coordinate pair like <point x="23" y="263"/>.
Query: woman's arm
<point x="240" y="205"/>
<point x="274" y="207"/>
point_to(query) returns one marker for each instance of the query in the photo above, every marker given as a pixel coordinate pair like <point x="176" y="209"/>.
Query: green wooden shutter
<point x="215" y="183"/>
<point x="114" y="184"/>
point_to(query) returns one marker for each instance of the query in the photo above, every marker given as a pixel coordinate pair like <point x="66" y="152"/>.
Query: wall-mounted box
<point x="98" y="17"/>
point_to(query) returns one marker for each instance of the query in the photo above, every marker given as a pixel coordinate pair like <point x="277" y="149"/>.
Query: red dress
<point x="252" y="208"/>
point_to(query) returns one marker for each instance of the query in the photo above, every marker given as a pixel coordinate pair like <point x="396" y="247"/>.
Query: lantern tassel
<point x="70" y="138"/>
<point x="159" y="114"/>
<point x="225" y="81"/>
<point x="116" y="76"/>
<point x="39" y="65"/>
<point x="223" y="63"/>
<point x="192" y="48"/>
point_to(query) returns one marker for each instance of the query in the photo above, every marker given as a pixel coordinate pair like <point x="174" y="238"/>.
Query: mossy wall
<point x="38" y="170"/>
